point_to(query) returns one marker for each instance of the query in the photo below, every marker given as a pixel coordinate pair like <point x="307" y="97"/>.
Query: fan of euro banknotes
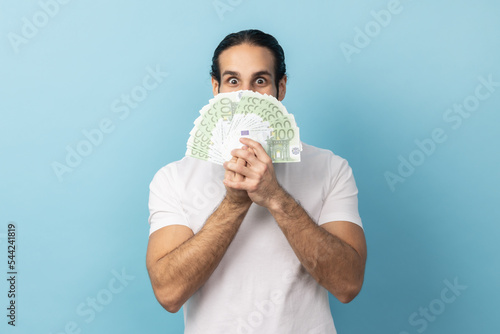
<point x="244" y="113"/>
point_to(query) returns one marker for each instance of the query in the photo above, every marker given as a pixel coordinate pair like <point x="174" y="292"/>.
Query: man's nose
<point x="246" y="86"/>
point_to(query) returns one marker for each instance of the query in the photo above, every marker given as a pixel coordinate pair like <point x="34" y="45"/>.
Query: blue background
<point x="75" y="232"/>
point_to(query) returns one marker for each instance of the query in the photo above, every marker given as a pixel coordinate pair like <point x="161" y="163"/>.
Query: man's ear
<point x="282" y="86"/>
<point x="215" y="86"/>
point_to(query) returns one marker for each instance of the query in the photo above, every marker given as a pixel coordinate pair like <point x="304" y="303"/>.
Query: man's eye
<point x="233" y="81"/>
<point x="261" y="81"/>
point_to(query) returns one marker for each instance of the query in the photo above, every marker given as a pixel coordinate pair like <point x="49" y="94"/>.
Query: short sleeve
<point x="341" y="201"/>
<point x="164" y="201"/>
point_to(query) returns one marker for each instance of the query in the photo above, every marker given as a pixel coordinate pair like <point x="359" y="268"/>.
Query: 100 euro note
<point x="284" y="144"/>
<point x="231" y="116"/>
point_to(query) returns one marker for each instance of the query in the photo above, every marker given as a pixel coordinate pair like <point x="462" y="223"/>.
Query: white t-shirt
<point x="260" y="285"/>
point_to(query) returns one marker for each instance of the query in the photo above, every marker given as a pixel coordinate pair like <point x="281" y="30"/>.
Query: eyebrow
<point x="237" y="74"/>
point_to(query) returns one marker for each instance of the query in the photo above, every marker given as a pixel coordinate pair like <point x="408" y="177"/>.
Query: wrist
<point x="281" y="202"/>
<point x="235" y="205"/>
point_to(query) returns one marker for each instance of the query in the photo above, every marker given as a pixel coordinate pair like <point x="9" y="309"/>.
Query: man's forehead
<point x="246" y="58"/>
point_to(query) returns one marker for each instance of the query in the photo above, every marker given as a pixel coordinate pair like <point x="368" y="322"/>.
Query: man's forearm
<point x="332" y="262"/>
<point x="178" y="274"/>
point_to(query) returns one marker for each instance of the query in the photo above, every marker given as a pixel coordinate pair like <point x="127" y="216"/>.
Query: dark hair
<point x="252" y="37"/>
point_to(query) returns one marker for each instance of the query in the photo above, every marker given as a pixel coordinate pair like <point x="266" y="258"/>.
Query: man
<point x="258" y="254"/>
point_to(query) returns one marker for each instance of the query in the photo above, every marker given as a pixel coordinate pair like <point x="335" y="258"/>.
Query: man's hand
<point x="234" y="195"/>
<point x="256" y="177"/>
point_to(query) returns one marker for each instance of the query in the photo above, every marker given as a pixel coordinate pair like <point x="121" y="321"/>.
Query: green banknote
<point x="230" y="116"/>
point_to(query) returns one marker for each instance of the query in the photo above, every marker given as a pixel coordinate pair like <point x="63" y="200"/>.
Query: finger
<point x="228" y="175"/>
<point x="239" y="177"/>
<point x="234" y="184"/>
<point x="255" y="166"/>
<point x="239" y="169"/>
<point x="239" y="161"/>
<point x="248" y="155"/>
<point x="259" y="151"/>
<point x="234" y="167"/>
<point x="232" y="176"/>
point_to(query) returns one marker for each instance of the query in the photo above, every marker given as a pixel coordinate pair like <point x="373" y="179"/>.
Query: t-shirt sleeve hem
<point x="339" y="216"/>
<point x="155" y="226"/>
